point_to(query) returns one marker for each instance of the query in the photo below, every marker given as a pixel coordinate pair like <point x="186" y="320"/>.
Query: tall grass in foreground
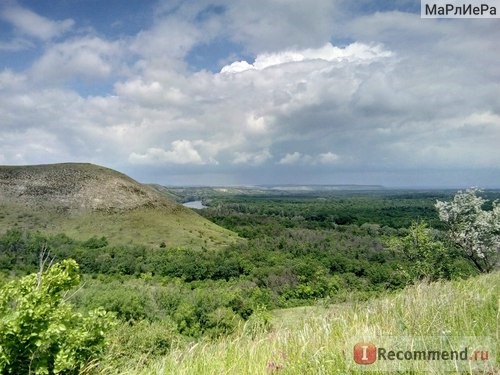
<point x="317" y="340"/>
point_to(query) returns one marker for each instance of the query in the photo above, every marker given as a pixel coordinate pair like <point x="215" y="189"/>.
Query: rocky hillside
<point x="86" y="200"/>
<point x="76" y="187"/>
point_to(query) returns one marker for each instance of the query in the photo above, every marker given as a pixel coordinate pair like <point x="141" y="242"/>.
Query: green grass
<point x="319" y="340"/>
<point x="150" y="227"/>
<point x="176" y="227"/>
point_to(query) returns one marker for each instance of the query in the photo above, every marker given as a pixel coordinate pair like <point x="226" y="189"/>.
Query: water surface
<point x="194" y="204"/>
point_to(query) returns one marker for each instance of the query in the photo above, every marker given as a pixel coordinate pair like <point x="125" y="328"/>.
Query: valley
<point x="259" y="280"/>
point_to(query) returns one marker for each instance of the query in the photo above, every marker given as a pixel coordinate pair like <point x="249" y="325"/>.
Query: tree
<point x="427" y="258"/>
<point x="473" y="230"/>
<point x="40" y="333"/>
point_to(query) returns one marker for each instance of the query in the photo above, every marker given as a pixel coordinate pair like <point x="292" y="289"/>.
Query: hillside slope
<point x="76" y="187"/>
<point x="320" y="339"/>
<point x="85" y="200"/>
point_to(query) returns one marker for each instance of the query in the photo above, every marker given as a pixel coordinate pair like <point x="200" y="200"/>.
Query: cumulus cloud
<point x="252" y="158"/>
<point x="90" y="57"/>
<point x="392" y="97"/>
<point x="353" y="53"/>
<point x="327" y="158"/>
<point x="182" y="152"/>
<point x="150" y="93"/>
<point x="296" y="158"/>
<point x="263" y="25"/>
<point x="170" y="37"/>
<point x="11" y="80"/>
<point x="257" y="124"/>
<point x="34" y="25"/>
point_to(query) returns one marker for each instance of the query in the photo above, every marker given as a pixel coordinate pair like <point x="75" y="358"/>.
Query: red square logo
<point x="365" y="353"/>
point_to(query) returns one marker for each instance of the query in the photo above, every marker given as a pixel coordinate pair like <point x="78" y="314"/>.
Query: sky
<point x="238" y="92"/>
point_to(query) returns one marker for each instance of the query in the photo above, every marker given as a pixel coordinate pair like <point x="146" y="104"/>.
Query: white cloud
<point x="15" y="45"/>
<point x="168" y="40"/>
<point x="297" y="158"/>
<point x="31" y="146"/>
<point x="255" y="124"/>
<point x="89" y="57"/>
<point x="393" y="99"/>
<point x="252" y="158"/>
<point x="483" y="120"/>
<point x="34" y="25"/>
<point x="237" y="67"/>
<point x="327" y="158"/>
<point x="353" y="53"/>
<point x="10" y="80"/>
<point x="182" y="152"/>
<point x="261" y="25"/>
<point x="149" y="93"/>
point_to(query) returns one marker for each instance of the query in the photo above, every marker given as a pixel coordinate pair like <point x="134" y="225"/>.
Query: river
<point x="194" y="204"/>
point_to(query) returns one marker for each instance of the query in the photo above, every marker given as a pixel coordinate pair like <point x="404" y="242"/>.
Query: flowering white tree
<point x="474" y="230"/>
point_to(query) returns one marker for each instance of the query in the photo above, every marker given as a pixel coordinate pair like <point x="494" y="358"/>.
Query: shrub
<point x="426" y="257"/>
<point x="144" y="338"/>
<point x="222" y="321"/>
<point x="40" y="332"/>
<point x="258" y="323"/>
<point x="476" y="232"/>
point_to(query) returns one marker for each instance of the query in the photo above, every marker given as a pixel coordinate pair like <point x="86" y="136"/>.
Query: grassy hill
<point x="85" y="200"/>
<point x="320" y="339"/>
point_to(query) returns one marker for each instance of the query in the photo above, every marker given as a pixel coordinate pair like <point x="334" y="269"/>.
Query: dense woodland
<point x="296" y="249"/>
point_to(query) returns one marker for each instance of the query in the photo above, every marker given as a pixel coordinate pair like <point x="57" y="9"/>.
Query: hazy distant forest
<point x="296" y="249"/>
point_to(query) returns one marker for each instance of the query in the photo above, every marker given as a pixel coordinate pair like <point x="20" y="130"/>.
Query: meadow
<point x="319" y="339"/>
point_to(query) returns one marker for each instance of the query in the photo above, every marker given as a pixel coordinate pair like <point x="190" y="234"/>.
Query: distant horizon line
<point x="276" y="186"/>
<point x="268" y="185"/>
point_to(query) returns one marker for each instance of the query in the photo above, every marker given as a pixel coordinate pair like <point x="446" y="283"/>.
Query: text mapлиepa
<point x="459" y="9"/>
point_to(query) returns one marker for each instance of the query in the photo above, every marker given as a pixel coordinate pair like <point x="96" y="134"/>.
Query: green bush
<point x="40" y="332"/>
<point x="144" y="338"/>
<point x="426" y="257"/>
<point x="258" y="323"/>
<point x="222" y="321"/>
